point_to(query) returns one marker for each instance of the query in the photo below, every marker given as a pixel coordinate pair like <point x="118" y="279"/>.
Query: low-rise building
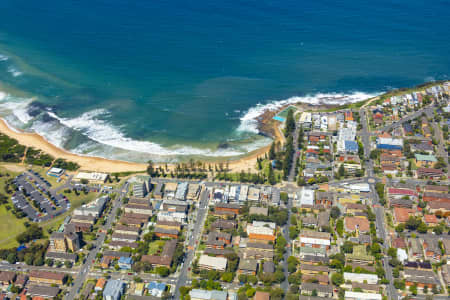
<point x="114" y="289"/>
<point x="315" y="239"/>
<point x="361" y="277"/>
<point x="212" y="263"/>
<point x="45" y="277"/>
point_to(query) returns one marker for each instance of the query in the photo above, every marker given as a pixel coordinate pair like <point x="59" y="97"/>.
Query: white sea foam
<point x="15" y="106"/>
<point x="249" y="121"/>
<point x="14" y="72"/>
<point x="3" y="57"/>
<point x="93" y="126"/>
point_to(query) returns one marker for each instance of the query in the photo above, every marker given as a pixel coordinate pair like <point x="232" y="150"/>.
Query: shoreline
<point x="100" y="164"/>
<point x="267" y="126"/>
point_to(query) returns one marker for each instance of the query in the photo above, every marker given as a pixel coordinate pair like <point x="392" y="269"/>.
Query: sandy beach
<point x="87" y="163"/>
<point x="98" y="164"/>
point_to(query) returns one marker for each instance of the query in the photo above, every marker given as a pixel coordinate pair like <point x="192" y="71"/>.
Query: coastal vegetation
<point x="13" y="152"/>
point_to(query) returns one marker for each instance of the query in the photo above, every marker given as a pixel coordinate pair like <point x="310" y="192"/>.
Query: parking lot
<point x="32" y="187"/>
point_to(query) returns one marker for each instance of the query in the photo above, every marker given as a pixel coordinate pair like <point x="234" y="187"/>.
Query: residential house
<point x="212" y="263"/>
<point x="308" y="288"/>
<point x="248" y="266"/>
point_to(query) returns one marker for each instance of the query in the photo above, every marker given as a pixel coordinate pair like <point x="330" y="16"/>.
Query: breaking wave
<point x="93" y="125"/>
<point x="103" y="138"/>
<point x="249" y="121"/>
<point x="14" y="72"/>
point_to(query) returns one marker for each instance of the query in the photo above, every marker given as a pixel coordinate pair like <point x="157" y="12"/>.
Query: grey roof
<point x="113" y="288"/>
<point x="248" y="264"/>
<point x="420" y="276"/>
<point x="208" y="295"/>
<point x="309" y="287"/>
<point x="43" y="291"/>
<point x="268" y="267"/>
<point x="61" y="256"/>
<point x="313" y="298"/>
<point x="116" y="253"/>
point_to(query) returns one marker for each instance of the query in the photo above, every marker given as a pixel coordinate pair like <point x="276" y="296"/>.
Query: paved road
<point x="379" y="210"/>
<point x="192" y="242"/>
<point x="292" y="171"/>
<point x="412" y="116"/>
<point x="285" y="232"/>
<point x="26" y="268"/>
<point x="85" y="268"/>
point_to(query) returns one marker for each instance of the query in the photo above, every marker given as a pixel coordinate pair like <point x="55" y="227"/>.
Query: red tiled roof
<point x="405" y="192"/>
<point x="352" y="223"/>
<point x="399" y="243"/>
<point x="430" y="219"/>
<point x="402" y="214"/>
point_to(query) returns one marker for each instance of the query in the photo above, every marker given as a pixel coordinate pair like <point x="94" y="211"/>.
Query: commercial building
<point x="389" y="143"/>
<point x="98" y="178"/>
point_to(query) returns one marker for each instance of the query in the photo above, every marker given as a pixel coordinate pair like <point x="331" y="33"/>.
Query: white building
<point x="182" y="190"/>
<point x="361" y="296"/>
<point x="91" y="177"/>
<point x="172" y="216"/>
<point x="212" y="263"/>
<point x="243" y="193"/>
<point x="305" y="197"/>
<point x="264" y="224"/>
<point x="94" y="208"/>
<point x="361" y="278"/>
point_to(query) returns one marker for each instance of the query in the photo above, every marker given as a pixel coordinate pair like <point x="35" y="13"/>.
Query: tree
<point x="335" y="212"/>
<point x="12" y="258"/>
<point x="290" y="123"/>
<point x="337" y="279"/>
<point x="32" y="233"/>
<point x="392" y="252"/>
<point x="340" y="227"/>
<point x="227" y="277"/>
<point x="242" y="278"/>
<point x="341" y="170"/>
<point x="422" y="228"/>
<point x="347" y="247"/>
<point x="28" y="258"/>
<point x="272" y="151"/>
<point x="162" y="271"/>
<point x="399" y="284"/>
<point x="413" y="289"/>
<point x="271" y="176"/>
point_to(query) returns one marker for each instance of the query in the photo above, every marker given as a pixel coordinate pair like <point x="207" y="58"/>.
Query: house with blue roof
<point x="156" y="288"/>
<point x="125" y="263"/>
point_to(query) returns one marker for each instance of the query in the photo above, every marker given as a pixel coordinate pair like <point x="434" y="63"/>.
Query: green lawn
<point x="155" y="246"/>
<point x="10" y="227"/>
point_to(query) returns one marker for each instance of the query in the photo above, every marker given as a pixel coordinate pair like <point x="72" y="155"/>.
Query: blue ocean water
<point x="137" y="79"/>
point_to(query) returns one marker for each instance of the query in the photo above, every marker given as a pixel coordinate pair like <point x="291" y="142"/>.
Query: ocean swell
<point x="93" y="125"/>
<point x="91" y="133"/>
<point x="249" y="121"/>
